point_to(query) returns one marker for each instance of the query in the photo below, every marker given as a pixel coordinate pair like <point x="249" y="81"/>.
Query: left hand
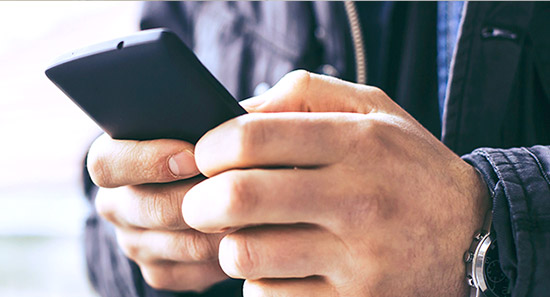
<point x="334" y="190"/>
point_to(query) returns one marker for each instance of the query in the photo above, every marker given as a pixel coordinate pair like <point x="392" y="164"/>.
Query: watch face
<point x="498" y="284"/>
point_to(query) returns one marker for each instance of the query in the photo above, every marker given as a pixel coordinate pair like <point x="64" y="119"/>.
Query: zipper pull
<point x="494" y="32"/>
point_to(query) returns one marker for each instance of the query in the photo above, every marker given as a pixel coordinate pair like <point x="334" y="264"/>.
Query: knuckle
<point x="373" y="137"/>
<point x="105" y="207"/>
<point x="377" y="94"/>
<point x="376" y="91"/>
<point x="129" y="246"/>
<point x="198" y="247"/>
<point x="380" y="100"/>
<point x="245" y="262"/>
<point x="372" y="132"/>
<point x="151" y="163"/>
<point x="373" y="141"/>
<point x="358" y="211"/>
<point x="114" y="163"/>
<point x="241" y="197"/>
<point x="168" y="215"/>
<point x="295" y="84"/>
<point x="254" y="134"/>
<point x="298" y="79"/>
<point x="163" y="211"/>
<point x="98" y="168"/>
<point x="158" y="278"/>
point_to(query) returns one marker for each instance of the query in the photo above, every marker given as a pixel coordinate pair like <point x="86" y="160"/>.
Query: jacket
<point x="497" y="112"/>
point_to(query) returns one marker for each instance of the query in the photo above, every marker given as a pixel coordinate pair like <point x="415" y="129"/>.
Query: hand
<point x="336" y="191"/>
<point x="142" y="192"/>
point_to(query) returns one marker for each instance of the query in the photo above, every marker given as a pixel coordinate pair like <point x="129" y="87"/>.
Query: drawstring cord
<point x="358" y="46"/>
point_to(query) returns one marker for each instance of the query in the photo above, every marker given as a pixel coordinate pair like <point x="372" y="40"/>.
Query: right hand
<point x="141" y="193"/>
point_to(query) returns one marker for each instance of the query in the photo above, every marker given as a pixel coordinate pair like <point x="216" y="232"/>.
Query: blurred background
<point x="43" y="138"/>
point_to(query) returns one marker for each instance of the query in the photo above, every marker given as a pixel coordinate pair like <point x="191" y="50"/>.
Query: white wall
<point x="43" y="137"/>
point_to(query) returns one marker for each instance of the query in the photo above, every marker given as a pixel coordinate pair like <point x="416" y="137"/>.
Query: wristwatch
<point x="483" y="272"/>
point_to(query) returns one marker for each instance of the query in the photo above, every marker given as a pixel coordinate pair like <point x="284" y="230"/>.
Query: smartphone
<point x="145" y="86"/>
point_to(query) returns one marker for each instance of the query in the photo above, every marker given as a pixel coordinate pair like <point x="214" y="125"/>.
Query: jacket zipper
<point x="358" y="46"/>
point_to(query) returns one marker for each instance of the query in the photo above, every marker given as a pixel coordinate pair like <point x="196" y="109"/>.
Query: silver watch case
<point x="475" y="264"/>
<point x="475" y="258"/>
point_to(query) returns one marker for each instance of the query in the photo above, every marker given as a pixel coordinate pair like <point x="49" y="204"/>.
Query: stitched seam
<point x="514" y="224"/>
<point x="499" y="175"/>
<point x="522" y="185"/>
<point x="529" y="275"/>
<point x="486" y="155"/>
<point x="541" y="168"/>
<point x="519" y="223"/>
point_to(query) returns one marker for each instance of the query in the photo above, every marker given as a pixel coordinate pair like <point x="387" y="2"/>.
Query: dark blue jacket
<point x="499" y="99"/>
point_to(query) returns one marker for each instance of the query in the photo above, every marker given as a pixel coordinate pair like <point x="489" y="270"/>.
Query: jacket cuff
<point x="519" y="182"/>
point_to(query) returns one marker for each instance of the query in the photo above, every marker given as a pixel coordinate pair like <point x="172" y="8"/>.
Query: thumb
<point x="271" y="101"/>
<point x="253" y="104"/>
<point x="286" y="95"/>
<point x="301" y="91"/>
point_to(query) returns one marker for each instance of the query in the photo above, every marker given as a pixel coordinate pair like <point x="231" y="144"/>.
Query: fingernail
<point x="183" y="164"/>
<point x="253" y="102"/>
<point x="228" y="257"/>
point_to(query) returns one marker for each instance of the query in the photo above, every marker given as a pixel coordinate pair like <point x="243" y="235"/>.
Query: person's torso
<point x="499" y="94"/>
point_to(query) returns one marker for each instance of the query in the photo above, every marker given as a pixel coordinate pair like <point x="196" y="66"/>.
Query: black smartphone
<point x="145" y="86"/>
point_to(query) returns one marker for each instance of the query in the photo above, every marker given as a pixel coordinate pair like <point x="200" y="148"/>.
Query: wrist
<point x="484" y="275"/>
<point x="482" y="198"/>
<point x="475" y="204"/>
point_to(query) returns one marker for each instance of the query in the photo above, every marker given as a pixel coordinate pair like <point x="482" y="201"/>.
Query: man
<point x="329" y="188"/>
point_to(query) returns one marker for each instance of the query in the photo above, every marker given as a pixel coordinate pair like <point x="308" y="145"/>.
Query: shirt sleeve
<point x="519" y="182"/>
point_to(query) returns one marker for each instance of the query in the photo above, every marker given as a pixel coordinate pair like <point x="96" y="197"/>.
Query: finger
<point x="239" y="198"/>
<point x="302" y="91"/>
<point x="113" y="163"/>
<point x="278" y="140"/>
<point x="188" y="246"/>
<point x="290" y="251"/>
<point x="306" y="287"/>
<point x="153" y="206"/>
<point x="174" y="276"/>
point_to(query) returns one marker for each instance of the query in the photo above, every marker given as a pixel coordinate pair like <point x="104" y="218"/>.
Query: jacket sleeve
<point x="519" y="182"/>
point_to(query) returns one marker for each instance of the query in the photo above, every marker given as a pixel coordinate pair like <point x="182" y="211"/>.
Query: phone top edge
<point x="114" y="44"/>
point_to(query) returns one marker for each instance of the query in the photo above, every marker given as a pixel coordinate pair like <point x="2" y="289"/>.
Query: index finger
<point x="305" y="120"/>
<point x="275" y="140"/>
<point x="114" y="163"/>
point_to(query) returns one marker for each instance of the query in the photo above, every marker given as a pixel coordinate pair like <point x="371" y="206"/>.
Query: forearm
<point x="519" y="182"/>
